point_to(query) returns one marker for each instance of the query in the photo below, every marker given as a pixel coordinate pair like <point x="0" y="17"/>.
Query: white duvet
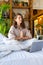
<point x="7" y="57"/>
<point x="22" y="58"/>
<point x="9" y="44"/>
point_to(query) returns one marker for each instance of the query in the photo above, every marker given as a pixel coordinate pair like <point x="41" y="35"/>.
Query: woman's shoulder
<point x="12" y="26"/>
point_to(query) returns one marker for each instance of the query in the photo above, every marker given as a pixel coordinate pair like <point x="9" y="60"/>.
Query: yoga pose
<point x="19" y="33"/>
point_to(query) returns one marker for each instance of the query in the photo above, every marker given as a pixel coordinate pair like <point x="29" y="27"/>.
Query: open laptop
<point x="36" y="46"/>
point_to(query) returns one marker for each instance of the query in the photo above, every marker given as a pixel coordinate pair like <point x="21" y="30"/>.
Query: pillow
<point x="36" y="46"/>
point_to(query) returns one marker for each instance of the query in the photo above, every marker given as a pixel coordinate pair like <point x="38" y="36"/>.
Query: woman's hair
<point x="15" y="23"/>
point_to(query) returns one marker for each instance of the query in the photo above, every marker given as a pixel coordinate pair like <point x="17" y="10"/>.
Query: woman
<point x="19" y="33"/>
<point x="18" y="30"/>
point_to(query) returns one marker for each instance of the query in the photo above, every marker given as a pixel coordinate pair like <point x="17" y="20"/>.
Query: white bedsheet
<point x="8" y="57"/>
<point x="23" y="58"/>
<point x="4" y="53"/>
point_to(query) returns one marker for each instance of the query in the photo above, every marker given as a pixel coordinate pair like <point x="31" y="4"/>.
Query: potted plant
<point x="4" y="22"/>
<point x="15" y="2"/>
<point x="4" y="26"/>
<point x="0" y="12"/>
<point x="21" y="3"/>
<point x="4" y="7"/>
<point x="25" y="3"/>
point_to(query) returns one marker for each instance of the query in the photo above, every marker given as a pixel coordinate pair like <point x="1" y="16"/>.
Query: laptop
<point x="36" y="46"/>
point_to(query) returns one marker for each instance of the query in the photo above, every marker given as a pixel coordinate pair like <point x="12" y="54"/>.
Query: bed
<point x="21" y="57"/>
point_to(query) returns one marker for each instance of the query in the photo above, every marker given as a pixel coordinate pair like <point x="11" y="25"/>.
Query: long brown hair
<point x="15" y="23"/>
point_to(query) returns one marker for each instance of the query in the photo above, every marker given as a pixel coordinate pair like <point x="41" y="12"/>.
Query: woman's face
<point x="18" y="19"/>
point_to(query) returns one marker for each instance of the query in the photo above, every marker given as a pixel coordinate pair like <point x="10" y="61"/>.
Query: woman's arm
<point x="28" y="35"/>
<point x="17" y="38"/>
<point x="22" y="38"/>
<point x="26" y="38"/>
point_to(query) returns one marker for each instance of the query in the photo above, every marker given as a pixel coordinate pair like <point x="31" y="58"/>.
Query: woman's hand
<point x="20" y="37"/>
<point x="21" y="34"/>
<point x="26" y="38"/>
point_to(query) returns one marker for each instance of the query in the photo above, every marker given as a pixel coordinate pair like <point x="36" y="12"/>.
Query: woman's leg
<point x="27" y="44"/>
<point x="11" y="44"/>
<point x="10" y="41"/>
<point x="18" y="45"/>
